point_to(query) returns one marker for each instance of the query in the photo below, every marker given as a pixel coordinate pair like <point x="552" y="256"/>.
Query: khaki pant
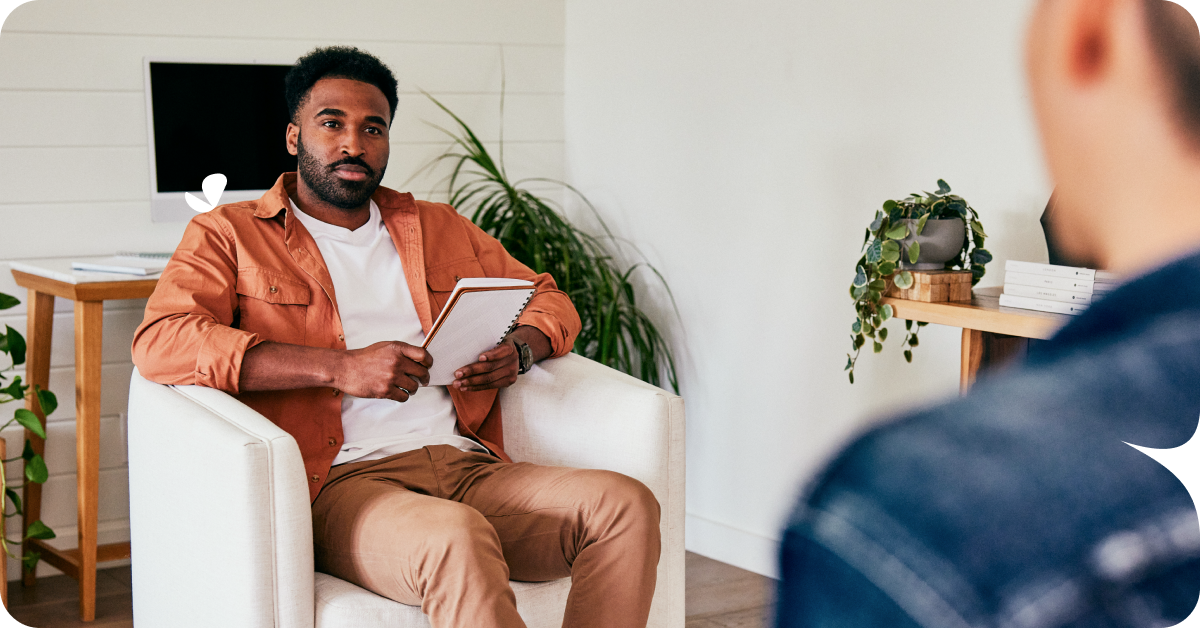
<point x="447" y="529"/>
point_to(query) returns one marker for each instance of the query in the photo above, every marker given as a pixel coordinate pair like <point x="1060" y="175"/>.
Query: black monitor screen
<point x="225" y="118"/>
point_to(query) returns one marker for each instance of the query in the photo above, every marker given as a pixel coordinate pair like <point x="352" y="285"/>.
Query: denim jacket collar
<point x="1169" y="289"/>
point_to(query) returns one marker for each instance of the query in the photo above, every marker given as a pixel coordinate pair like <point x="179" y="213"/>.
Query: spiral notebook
<point x="479" y="314"/>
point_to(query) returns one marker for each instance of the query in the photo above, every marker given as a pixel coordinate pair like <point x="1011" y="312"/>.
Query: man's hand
<point x="497" y="368"/>
<point x="384" y="370"/>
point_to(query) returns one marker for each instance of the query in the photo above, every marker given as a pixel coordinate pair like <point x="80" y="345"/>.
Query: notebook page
<point x="474" y="323"/>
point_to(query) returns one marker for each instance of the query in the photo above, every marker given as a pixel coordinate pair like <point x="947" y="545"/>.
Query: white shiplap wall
<point x="74" y="167"/>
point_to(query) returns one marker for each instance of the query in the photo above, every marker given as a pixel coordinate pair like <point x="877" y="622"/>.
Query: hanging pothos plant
<point x="888" y="247"/>
<point x="12" y="344"/>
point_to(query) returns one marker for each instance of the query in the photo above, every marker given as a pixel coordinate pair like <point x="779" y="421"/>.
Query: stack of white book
<point x="1050" y="288"/>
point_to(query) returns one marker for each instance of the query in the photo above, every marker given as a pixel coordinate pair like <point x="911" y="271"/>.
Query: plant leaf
<point x="977" y="227"/>
<point x="904" y="280"/>
<point x="16" y="346"/>
<point x="35" y="470"/>
<point x="860" y="279"/>
<point x="899" y="232"/>
<point x="47" y="400"/>
<point x="16" y="499"/>
<point x="30" y="421"/>
<point x="856" y="327"/>
<point x="883" y="334"/>
<point x="886" y="312"/>
<point x="39" y="530"/>
<point x="981" y="257"/>
<point x="15" y="389"/>
<point x="27" y="453"/>
<point x="914" y="252"/>
<point x="921" y="224"/>
<point x="30" y="560"/>
<point x="875" y="252"/>
<point x="912" y="342"/>
<point x="908" y="356"/>
<point x="887" y="268"/>
<point x="943" y="187"/>
<point x="878" y="348"/>
<point x="7" y="301"/>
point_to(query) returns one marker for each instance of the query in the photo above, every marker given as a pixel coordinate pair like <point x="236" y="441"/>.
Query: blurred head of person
<point x="1115" y="86"/>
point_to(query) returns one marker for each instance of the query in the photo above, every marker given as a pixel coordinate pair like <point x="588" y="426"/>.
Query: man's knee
<point x="629" y="500"/>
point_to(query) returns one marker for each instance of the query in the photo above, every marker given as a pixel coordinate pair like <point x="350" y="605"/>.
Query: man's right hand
<point x="384" y="370"/>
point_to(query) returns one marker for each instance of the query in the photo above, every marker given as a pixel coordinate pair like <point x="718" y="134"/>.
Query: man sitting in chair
<point x="310" y="306"/>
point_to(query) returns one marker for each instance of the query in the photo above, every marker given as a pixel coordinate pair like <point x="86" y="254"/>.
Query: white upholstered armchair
<point x="221" y="527"/>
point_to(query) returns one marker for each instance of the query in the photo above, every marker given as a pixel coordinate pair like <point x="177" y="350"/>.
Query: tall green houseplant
<point x="616" y="332"/>
<point x="12" y="345"/>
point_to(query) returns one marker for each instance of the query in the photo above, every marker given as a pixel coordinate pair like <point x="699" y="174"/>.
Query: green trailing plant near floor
<point x="12" y="344"/>
<point x="616" y="332"/>
<point x="884" y="245"/>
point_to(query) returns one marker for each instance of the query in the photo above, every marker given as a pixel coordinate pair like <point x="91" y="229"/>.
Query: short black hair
<point x="345" y="62"/>
<point x="1176" y="39"/>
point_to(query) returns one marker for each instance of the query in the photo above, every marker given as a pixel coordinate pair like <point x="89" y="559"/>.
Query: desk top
<point x="982" y="313"/>
<point x="53" y="275"/>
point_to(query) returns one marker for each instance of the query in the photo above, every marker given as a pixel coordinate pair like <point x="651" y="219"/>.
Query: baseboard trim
<point x="731" y="545"/>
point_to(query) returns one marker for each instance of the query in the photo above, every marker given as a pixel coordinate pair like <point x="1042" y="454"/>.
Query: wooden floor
<point x="718" y="596"/>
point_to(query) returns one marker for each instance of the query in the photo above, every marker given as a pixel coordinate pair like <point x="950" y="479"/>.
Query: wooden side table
<point x="991" y="335"/>
<point x="46" y="279"/>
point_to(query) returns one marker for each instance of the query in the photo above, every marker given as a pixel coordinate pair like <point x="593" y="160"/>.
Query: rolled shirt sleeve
<point x="550" y="310"/>
<point x="188" y="334"/>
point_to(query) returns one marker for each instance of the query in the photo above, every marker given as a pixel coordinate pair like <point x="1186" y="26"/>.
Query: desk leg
<point x="972" y="358"/>
<point x="89" y="328"/>
<point x="983" y="350"/>
<point x="40" y="327"/>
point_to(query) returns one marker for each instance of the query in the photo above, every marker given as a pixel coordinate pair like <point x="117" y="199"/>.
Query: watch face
<point x="524" y="357"/>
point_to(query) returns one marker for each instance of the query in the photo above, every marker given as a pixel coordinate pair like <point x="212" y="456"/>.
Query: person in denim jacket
<point x="1021" y="505"/>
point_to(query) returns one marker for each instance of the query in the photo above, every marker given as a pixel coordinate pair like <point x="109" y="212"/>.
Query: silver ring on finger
<point x="407" y="391"/>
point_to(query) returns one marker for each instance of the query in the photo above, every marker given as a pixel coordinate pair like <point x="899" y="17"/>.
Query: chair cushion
<point x="344" y="605"/>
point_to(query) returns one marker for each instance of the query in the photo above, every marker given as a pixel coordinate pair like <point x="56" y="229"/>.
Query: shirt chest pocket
<point x="443" y="278"/>
<point x="272" y="306"/>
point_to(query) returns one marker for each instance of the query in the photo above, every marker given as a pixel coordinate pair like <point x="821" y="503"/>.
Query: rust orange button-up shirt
<point x="249" y="272"/>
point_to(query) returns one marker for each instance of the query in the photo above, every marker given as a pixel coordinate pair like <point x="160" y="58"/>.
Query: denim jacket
<point x="1021" y="505"/>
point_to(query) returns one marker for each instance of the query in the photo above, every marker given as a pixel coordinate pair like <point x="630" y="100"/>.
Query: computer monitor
<point x="209" y="117"/>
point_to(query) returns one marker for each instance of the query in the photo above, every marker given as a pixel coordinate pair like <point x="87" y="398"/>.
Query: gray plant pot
<point x="941" y="241"/>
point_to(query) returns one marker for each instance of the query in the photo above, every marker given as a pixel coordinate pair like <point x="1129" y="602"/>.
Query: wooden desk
<point x="89" y="291"/>
<point x="991" y="334"/>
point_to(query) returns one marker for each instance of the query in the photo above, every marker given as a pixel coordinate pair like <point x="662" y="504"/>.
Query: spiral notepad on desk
<point x="479" y="314"/>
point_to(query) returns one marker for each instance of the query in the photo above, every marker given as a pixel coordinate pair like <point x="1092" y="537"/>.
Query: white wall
<point x="745" y="146"/>
<point x="74" y="176"/>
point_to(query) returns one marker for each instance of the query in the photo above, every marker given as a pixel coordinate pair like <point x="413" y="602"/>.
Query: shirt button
<point x="336" y="392"/>
<point x="341" y="337"/>
<point x="274" y="289"/>
<point x="332" y="442"/>
<point x="315" y="478"/>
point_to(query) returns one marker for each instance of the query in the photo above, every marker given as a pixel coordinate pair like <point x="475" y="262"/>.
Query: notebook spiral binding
<point x="518" y="316"/>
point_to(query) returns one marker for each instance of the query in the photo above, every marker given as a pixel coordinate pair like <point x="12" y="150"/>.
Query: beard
<point x="332" y="189"/>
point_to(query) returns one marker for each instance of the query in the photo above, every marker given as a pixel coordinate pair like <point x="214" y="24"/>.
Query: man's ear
<point x="1090" y="38"/>
<point x="292" y="138"/>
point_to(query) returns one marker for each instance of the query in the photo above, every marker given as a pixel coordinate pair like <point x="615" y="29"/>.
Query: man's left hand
<point x="498" y="367"/>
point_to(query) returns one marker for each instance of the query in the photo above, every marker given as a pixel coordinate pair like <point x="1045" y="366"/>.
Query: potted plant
<point x="12" y="344"/>
<point x="926" y="231"/>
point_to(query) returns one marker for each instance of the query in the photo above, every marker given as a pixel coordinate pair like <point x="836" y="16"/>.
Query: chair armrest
<point x="571" y="411"/>
<point x="219" y="513"/>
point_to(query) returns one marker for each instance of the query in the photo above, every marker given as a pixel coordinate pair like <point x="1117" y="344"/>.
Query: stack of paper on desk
<point x="480" y="313"/>
<point x="124" y="264"/>
<point x="1050" y="288"/>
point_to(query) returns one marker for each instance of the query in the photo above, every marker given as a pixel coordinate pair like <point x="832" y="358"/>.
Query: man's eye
<point x="330" y="124"/>
<point x="375" y="130"/>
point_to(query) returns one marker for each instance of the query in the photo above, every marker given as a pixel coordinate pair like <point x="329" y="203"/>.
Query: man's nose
<point x="352" y="144"/>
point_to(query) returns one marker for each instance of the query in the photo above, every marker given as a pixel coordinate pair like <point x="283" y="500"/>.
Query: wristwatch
<point x="524" y="357"/>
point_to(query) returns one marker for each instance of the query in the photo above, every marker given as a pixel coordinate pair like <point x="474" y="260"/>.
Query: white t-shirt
<point x="375" y="304"/>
